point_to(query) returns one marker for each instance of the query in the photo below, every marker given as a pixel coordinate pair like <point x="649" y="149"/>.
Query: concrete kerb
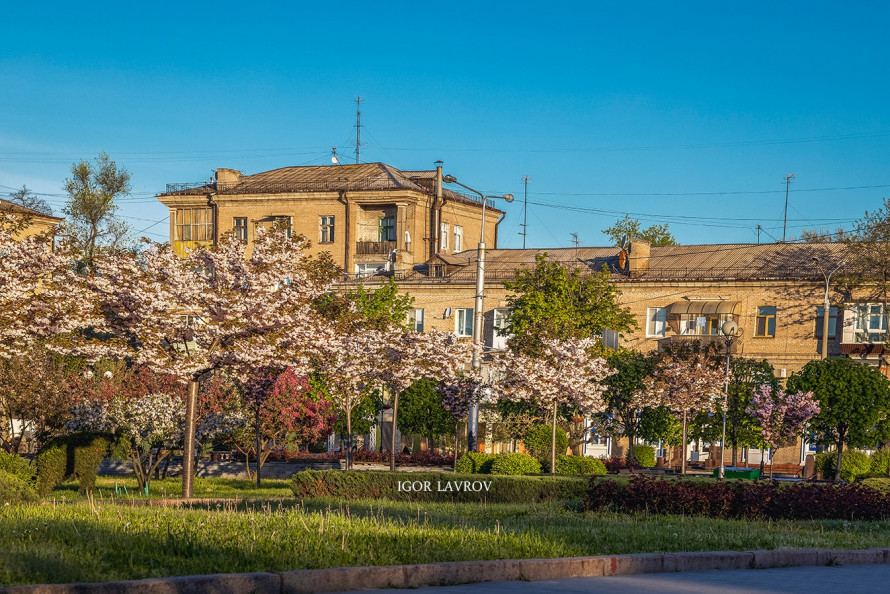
<point x="464" y="572"/>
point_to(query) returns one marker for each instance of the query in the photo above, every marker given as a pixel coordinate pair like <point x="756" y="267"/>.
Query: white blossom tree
<point x="215" y="309"/>
<point x="566" y="372"/>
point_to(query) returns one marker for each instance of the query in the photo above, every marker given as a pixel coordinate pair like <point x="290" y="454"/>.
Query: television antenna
<point x="788" y="179"/>
<point x="334" y="159"/>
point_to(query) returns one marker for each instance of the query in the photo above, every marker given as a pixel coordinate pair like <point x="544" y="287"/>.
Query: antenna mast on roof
<point x="525" y="179"/>
<point x="788" y="179"/>
<point x="358" y="128"/>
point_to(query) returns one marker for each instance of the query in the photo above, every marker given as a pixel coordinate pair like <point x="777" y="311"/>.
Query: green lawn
<point x="171" y="488"/>
<point x="83" y="542"/>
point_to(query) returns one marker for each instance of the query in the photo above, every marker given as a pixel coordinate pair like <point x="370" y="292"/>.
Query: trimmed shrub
<point x="515" y="464"/>
<point x="739" y="499"/>
<point x="578" y="465"/>
<point x="644" y="456"/>
<point x="880" y="462"/>
<point x="474" y="463"/>
<point x="18" y="466"/>
<point x="76" y="455"/>
<point x="377" y="484"/>
<point x="14" y="490"/>
<point x="539" y="440"/>
<point x="881" y="483"/>
<point x="613" y="465"/>
<point x="854" y="464"/>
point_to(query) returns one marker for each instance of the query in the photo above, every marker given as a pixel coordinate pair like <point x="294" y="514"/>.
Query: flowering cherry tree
<point x="39" y="297"/>
<point x="781" y="415"/>
<point x="565" y="372"/>
<point x="457" y="395"/>
<point x="685" y="385"/>
<point x="215" y="309"/>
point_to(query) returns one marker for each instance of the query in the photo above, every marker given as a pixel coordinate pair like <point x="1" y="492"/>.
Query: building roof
<point x="773" y="261"/>
<point x="324" y="178"/>
<point x="7" y="206"/>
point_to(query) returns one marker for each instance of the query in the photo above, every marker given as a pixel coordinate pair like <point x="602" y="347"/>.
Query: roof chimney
<point x="638" y="258"/>
<point x="226" y="178"/>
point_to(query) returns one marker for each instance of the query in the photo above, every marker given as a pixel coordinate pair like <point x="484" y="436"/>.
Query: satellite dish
<point x="335" y="160"/>
<point x="447" y="313"/>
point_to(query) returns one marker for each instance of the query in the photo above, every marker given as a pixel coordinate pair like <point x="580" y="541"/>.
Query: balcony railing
<point x="374" y="247"/>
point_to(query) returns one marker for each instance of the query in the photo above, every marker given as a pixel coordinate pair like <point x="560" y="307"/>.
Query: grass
<point x="171" y="488"/>
<point x="103" y="541"/>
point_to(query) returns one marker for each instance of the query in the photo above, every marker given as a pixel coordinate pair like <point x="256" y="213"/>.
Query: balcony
<point x="374" y="247"/>
<point x="705" y="340"/>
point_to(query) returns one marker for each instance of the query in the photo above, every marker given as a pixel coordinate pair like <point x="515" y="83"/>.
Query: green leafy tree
<point x="632" y="228"/>
<point x="380" y="309"/>
<point x="93" y="189"/>
<point x="625" y="395"/>
<point x="658" y="423"/>
<point x="742" y="429"/>
<point x="555" y="301"/>
<point x="421" y="411"/>
<point x="854" y="403"/>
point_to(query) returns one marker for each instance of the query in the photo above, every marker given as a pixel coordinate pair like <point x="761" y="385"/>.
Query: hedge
<point x="644" y="456"/>
<point x="14" y="490"/>
<point x="474" y="463"/>
<point x="539" y="441"/>
<point x="515" y="464"/>
<point x="76" y="455"/>
<point x="853" y="464"/>
<point x="880" y="462"/>
<point x="739" y="499"/>
<point x="578" y="465"/>
<point x="377" y="484"/>
<point x="18" y="466"/>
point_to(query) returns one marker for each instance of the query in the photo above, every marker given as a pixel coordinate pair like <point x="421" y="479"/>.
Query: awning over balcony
<point x="706" y="308"/>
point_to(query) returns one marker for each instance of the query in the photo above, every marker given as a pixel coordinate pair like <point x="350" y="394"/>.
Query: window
<point x="498" y="340"/>
<point x="386" y="229"/>
<point x="871" y="323"/>
<point x="463" y="320"/>
<point x="282" y="222"/>
<point x="415" y="319"/>
<point x="765" y="323"/>
<point x="832" y="321"/>
<point x="695" y="325"/>
<point x="656" y="321"/>
<point x="240" y="229"/>
<point x="194" y="224"/>
<point x="363" y="269"/>
<point x="444" y="236"/>
<point x="458" y="238"/>
<point x="326" y="229"/>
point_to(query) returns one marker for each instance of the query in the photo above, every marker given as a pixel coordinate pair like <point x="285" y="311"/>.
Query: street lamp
<point x="473" y="417"/>
<point x="730" y="331"/>
<point x="826" y="304"/>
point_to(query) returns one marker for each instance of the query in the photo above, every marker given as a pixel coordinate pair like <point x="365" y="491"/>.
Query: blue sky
<point x="686" y="113"/>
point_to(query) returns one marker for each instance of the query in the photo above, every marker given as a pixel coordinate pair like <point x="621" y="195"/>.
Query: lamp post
<point x="826" y="304"/>
<point x="730" y="331"/>
<point x="473" y="417"/>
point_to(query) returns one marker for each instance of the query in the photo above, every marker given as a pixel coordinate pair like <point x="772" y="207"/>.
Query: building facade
<point x="370" y="217"/>
<point x="36" y="222"/>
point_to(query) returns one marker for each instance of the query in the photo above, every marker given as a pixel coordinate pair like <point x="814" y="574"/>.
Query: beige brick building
<point x="370" y="217"/>
<point x="37" y="221"/>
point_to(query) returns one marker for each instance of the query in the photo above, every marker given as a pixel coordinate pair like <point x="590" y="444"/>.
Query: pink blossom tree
<point x="215" y="309"/>
<point x="781" y="415"/>
<point x="457" y="395"/>
<point x="686" y="385"/>
<point x="565" y="372"/>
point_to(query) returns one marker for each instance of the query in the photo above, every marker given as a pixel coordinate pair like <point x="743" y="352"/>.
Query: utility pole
<point x="758" y="234"/>
<point x="788" y="179"/>
<point x="525" y="179"/>
<point x="358" y="128"/>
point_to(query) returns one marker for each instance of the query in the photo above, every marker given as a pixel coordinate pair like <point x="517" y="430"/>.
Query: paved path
<point x="854" y="579"/>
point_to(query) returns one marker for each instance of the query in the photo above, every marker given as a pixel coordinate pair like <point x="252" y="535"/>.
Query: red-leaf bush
<point x="739" y="500"/>
<point x="613" y="465"/>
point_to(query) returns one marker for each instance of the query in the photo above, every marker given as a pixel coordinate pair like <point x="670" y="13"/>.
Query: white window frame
<point x="326" y="229"/>
<point x="365" y="269"/>
<point x="458" y="238"/>
<point x="444" y="236"/>
<point x="415" y="319"/>
<point x="463" y="321"/>
<point x="870" y="323"/>
<point x="656" y="322"/>
<point x="499" y="320"/>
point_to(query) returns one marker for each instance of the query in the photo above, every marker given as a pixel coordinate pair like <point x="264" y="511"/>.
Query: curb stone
<point x="464" y="572"/>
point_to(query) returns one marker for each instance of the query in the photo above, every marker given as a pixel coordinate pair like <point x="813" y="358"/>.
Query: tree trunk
<point x="683" y="447"/>
<point x="840" y="454"/>
<point x="392" y="447"/>
<point x="553" y="444"/>
<point x="631" y="436"/>
<point x="735" y="452"/>
<point x="349" y="439"/>
<point x="188" y="450"/>
<point x="259" y="450"/>
<point x="456" y="438"/>
<point x="772" y="461"/>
